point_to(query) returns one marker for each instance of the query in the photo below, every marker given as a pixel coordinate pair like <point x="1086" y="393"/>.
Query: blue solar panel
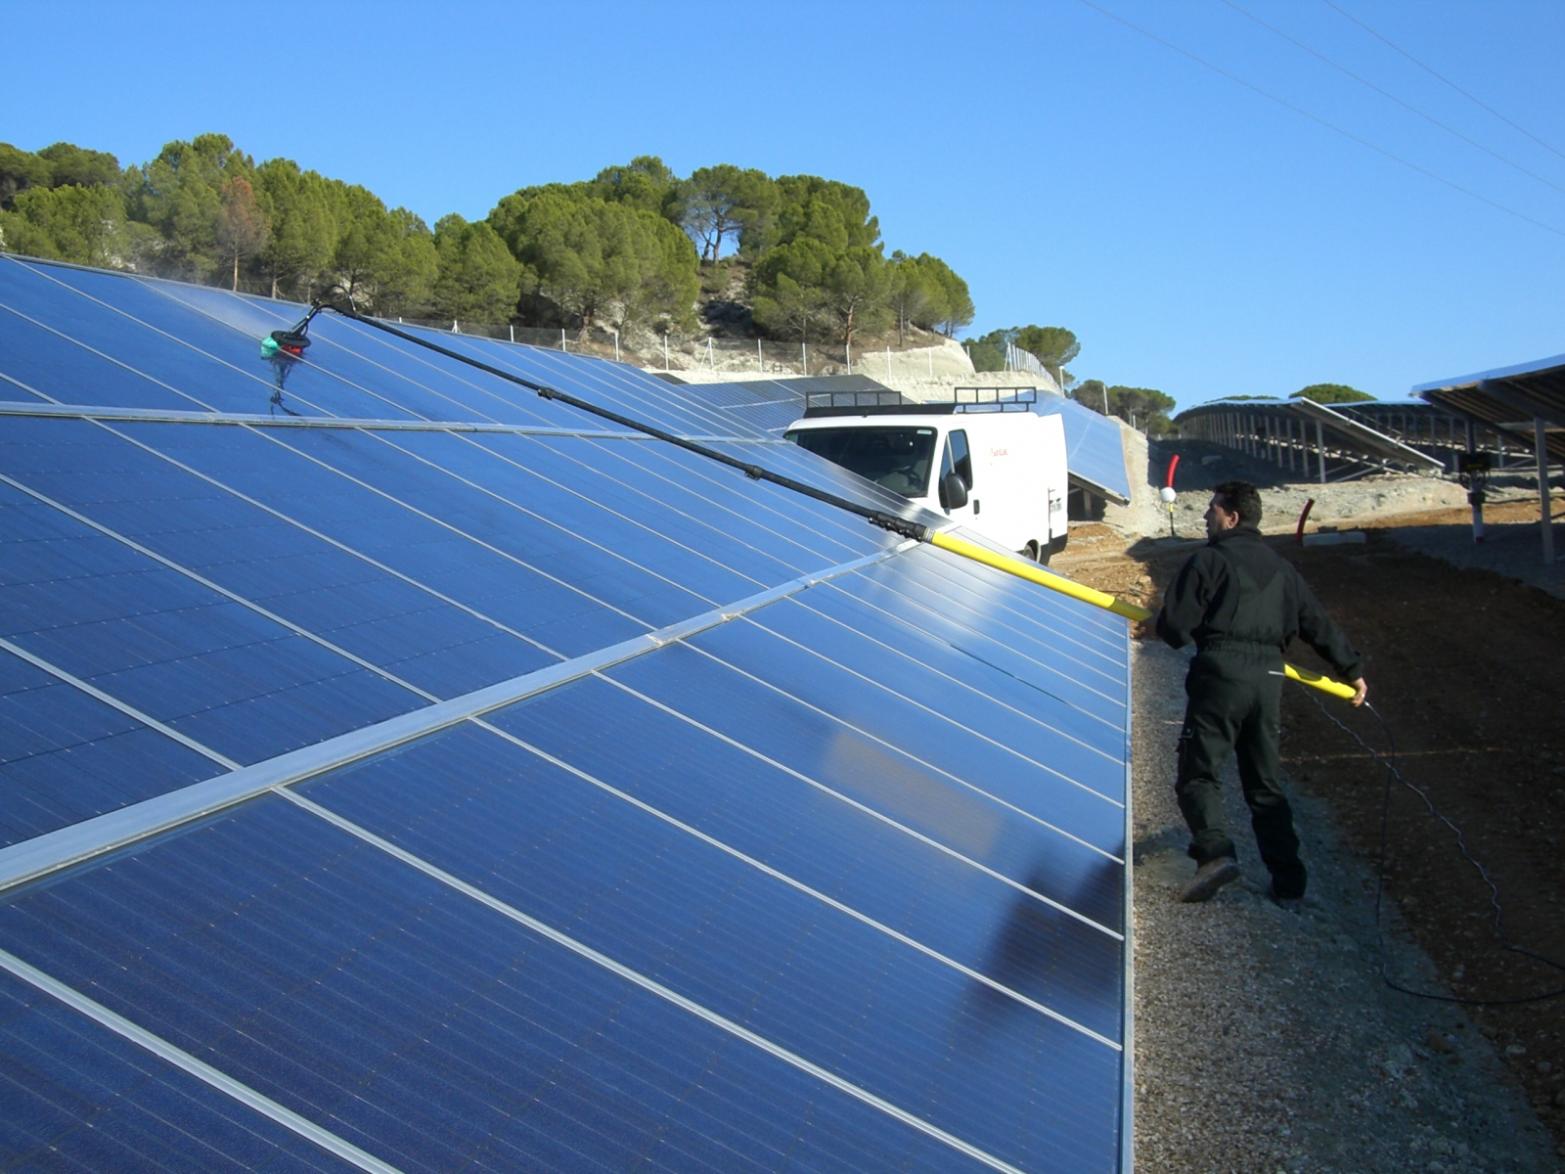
<point x="147" y="1113"/>
<point x="767" y="405"/>
<point x="1094" y="449"/>
<point x="420" y="1024"/>
<point x="66" y="756"/>
<point x="814" y="856"/>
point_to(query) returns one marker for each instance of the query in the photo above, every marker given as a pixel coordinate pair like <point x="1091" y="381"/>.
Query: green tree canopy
<point x="788" y="289"/>
<point x="85" y="225"/>
<point x="824" y="209"/>
<point x="599" y="260"/>
<point x="478" y="280"/>
<point x="1144" y="407"/>
<point x="70" y="164"/>
<point x="857" y="285"/>
<point x="365" y="237"/>
<point x="180" y="194"/>
<point x="404" y="275"/>
<point x="1054" y="347"/>
<point x="924" y="292"/>
<point x="383" y="259"/>
<point x="722" y="202"/>
<point x="242" y="224"/>
<point x="957" y="307"/>
<point x="1332" y="393"/>
<point x="20" y="170"/>
<point x="298" y="207"/>
<point x="645" y="182"/>
<point x="620" y="247"/>
<point x="987" y="352"/>
<point x="808" y="281"/>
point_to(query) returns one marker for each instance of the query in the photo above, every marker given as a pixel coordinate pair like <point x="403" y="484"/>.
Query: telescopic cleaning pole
<point x="1011" y="565"/>
<point x="1023" y="569"/>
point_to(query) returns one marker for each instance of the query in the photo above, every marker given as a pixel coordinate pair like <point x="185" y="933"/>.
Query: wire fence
<point x="677" y="351"/>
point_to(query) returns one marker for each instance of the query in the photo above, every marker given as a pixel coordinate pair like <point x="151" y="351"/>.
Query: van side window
<point x="961" y="457"/>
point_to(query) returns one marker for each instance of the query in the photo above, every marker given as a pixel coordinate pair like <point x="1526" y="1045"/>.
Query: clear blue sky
<point x="1199" y="236"/>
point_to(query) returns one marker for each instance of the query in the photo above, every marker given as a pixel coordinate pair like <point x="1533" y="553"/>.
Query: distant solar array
<point x="402" y="770"/>
<point x="1316" y="440"/>
<point x="1525" y="402"/>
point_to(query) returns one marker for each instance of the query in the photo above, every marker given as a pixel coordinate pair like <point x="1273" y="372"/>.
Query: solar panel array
<point x="401" y="770"/>
<point x="1519" y="401"/>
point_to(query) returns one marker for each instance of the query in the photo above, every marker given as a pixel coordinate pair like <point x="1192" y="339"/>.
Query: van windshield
<point x="897" y="458"/>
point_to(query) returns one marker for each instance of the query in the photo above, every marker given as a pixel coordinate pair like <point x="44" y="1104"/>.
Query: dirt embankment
<point x="1464" y="663"/>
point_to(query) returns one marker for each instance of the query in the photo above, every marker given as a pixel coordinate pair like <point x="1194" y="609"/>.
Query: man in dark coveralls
<point x="1242" y="603"/>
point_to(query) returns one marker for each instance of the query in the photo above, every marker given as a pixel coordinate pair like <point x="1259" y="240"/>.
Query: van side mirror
<point x="953" y="492"/>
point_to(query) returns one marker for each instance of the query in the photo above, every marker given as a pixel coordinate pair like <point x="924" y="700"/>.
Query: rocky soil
<point x="1269" y="1038"/>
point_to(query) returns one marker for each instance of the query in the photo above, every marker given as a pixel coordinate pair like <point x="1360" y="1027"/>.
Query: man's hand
<point x="1360" y="692"/>
<point x="1143" y="629"/>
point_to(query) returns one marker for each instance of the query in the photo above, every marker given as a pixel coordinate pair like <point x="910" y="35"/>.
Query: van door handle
<point x="977" y="506"/>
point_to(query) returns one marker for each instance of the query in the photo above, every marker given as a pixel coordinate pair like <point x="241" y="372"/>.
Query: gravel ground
<point x="1265" y="1038"/>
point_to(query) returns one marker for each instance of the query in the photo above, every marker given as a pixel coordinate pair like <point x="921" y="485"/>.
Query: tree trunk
<point x="236" y="272"/>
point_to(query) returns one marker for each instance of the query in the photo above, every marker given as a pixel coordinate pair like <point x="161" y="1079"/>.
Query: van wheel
<point x="1031" y="552"/>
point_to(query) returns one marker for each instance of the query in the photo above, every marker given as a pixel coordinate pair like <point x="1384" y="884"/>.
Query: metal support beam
<point x="1540" y="444"/>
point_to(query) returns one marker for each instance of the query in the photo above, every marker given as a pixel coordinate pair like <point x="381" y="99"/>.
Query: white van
<point x="997" y="468"/>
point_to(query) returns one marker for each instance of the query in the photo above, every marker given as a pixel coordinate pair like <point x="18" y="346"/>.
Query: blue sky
<point x="1200" y="227"/>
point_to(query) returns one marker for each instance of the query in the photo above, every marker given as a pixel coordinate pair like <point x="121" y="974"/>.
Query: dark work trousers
<point x="1234" y="707"/>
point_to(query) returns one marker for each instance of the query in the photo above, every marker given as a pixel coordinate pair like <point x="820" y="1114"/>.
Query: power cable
<point x="1387" y="94"/>
<point x="1319" y="121"/>
<point x="1393" y="774"/>
<point x="1441" y="77"/>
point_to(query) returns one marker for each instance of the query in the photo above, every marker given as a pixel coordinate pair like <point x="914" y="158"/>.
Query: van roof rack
<point x="891" y="403"/>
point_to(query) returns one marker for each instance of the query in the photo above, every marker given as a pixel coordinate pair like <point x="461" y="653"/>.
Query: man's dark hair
<point x="1242" y="498"/>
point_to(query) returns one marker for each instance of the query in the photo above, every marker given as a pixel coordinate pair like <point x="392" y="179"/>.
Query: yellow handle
<point x="1316" y="681"/>
<point x="1131" y="611"/>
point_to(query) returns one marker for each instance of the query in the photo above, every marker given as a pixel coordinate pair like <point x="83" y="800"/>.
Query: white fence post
<point x="760" y="363"/>
<point x="665" y="352"/>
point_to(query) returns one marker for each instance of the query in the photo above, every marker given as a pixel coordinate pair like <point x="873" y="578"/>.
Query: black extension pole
<point x="885" y="521"/>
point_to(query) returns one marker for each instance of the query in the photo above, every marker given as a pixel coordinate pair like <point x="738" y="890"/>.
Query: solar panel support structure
<point x="1540" y="442"/>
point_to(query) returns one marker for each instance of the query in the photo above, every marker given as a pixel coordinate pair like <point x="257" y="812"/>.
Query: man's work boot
<point x="1210" y="877"/>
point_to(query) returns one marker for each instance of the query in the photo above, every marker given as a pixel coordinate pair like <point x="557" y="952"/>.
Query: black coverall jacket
<point x="1242" y="603"/>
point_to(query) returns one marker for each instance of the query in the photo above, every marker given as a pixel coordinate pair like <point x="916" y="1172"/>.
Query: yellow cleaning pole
<point x="1033" y="573"/>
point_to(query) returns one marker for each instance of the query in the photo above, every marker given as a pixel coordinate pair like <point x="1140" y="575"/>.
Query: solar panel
<point x="1094" y="449"/>
<point x="405" y="770"/>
